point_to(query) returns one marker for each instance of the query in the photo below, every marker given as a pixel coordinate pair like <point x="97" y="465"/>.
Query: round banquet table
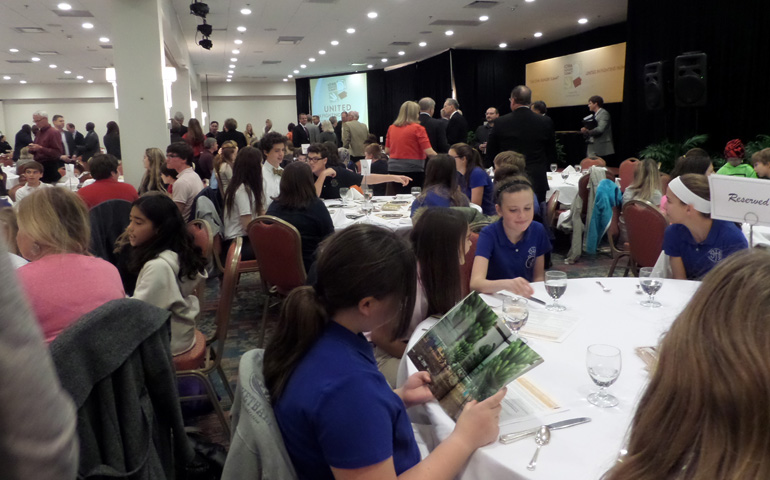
<point x="585" y="451"/>
<point x="398" y="220"/>
<point x="568" y="189"/>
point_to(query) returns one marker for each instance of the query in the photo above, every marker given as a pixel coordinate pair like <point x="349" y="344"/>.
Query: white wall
<point x="246" y="102"/>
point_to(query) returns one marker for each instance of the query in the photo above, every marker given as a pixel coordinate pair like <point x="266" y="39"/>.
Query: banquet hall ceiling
<point x="279" y="37"/>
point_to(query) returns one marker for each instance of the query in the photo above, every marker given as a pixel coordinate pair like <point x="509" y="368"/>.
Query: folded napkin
<point x="569" y="170"/>
<point x="354" y="194"/>
<point x="339" y="219"/>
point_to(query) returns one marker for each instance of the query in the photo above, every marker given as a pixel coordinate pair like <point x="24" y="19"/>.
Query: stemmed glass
<point x="564" y="175"/>
<point x="515" y="314"/>
<point x="367" y="206"/>
<point x="555" y="286"/>
<point x="554" y="167"/>
<point x="416" y="192"/>
<point x="344" y="195"/>
<point x="578" y="168"/>
<point x="604" y="364"/>
<point x="651" y="282"/>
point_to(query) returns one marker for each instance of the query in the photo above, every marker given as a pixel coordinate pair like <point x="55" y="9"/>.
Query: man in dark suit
<point x="338" y="127"/>
<point x="90" y="146"/>
<point x="77" y="136"/>
<point x="300" y="134"/>
<point x="231" y="133"/>
<point x="435" y="127"/>
<point x="528" y="133"/>
<point x="457" y="128"/>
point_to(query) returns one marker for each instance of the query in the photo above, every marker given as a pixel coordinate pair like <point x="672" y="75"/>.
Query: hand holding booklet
<point x="470" y="356"/>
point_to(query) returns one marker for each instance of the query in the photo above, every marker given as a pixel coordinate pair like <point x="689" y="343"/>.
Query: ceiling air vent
<point x="457" y="23"/>
<point x="322" y="1"/>
<point x="46" y="53"/>
<point x="289" y="40"/>
<point x="73" y="13"/>
<point x="106" y="47"/>
<point x="18" y="61"/>
<point x="270" y="62"/>
<point x="401" y="44"/>
<point x="30" y="30"/>
<point x="482" y="4"/>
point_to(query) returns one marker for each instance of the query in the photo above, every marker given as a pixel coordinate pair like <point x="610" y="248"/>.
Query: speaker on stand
<point x="654" y="94"/>
<point x="690" y="80"/>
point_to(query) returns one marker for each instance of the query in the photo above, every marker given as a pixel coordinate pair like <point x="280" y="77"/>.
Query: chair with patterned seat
<point x="589" y="162"/>
<point x="646" y="226"/>
<point x="627" y="169"/>
<point x="278" y="247"/>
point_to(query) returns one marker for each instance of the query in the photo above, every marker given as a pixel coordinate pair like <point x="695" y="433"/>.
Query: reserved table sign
<point x="738" y="199"/>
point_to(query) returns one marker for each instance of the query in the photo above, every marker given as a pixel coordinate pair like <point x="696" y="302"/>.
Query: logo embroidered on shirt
<point x="715" y="255"/>
<point x="531" y="256"/>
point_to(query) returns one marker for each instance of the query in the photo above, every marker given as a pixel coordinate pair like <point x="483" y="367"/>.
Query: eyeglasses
<point x="313" y="159"/>
<point x="172" y="155"/>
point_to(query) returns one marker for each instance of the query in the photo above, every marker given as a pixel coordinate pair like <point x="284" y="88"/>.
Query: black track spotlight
<point x="205" y="29"/>
<point x="206" y="43"/>
<point x="199" y="9"/>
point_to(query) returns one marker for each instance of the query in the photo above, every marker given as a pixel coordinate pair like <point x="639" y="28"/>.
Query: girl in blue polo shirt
<point x="474" y="181"/>
<point x="509" y="253"/>
<point x="337" y="414"/>
<point x="694" y="242"/>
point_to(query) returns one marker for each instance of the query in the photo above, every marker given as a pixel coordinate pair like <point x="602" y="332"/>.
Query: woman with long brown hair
<point x="441" y="189"/>
<point x="705" y="412"/>
<point x="474" y="181"/>
<point x="223" y="164"/>
<point x="194" y="137"/>
<point x="244" y="199"/>
<point x="152" y="181"/>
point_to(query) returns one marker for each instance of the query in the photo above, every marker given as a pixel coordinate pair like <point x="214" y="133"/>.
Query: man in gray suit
<point x="599" y="139"/>
<point x="313" y="131"/>
<point x="354" y="134"/>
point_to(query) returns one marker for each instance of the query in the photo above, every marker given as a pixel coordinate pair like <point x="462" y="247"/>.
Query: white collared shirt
<point x="271" y="183"/>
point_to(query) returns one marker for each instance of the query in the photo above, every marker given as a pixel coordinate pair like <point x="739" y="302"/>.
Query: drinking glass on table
<point x="515" y="314"/>
<point x="416" y="192"/>
<point x="578" y="168"/>
<point x="555" y="286"/>
<point x="603" y="363"/>
<point x="344" y="195"/>
<point x="554" y="167"/>
<point x="564" y="175"/>
<point x="651" y="282"/>
<point x="367" y="206"/>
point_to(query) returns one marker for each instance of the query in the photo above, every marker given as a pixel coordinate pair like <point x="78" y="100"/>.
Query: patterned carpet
<point x="247" y="309"/>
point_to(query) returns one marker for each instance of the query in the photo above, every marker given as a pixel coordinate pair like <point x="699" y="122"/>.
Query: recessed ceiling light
<point x="529" y="1"/>
<point x="228" y="80"/>
<point x="246" y="11"/>
<point x="351" y="30"/>
<point x="67" y="72"/>
<point x="370" y="66"/>
<point x="230" y="71"/>
<point x="64" y="6"/>
<point x="296" y="71"/>
<point x="52" y="66"/>
<point x="6" y="77"/>
<point x="88" y="25"/>
<point x="233" y="59"/>
<point x="22" y="81"/>
<point x="290" y="76"/>
<point x="238" y="41"/>
<point x="236" y="51"/>
<point x="538" y="34"/>
<point x="583" y="21"/>
<point x="241" y="28"/>
<point x="384" y="60"/>
<point x="89" y="81"/>
<point x="79" y="77"/>
<point x="372" y="14"/>
<point x="503" y="45"/>
<point x="483" y="18"/>
<point x="231" y="66"/>
<point x="285" y="79"/>
<point x="13" y="50"/>
<point x="449" y="33"/>
<point x="229" y="76"/>
<point x="335" y="42"/>
<point x="402" y="52"/>
<point x="303" y="66"/>
<point x="35" y="59"/>
<point x="104" y="39"/>
<point x="311" y="59"/>
<point x="321" y="52"/>
<point x="423" y="44"/>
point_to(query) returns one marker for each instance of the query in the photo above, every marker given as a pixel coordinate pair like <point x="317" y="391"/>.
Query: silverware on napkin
<point x="512" y="437"/>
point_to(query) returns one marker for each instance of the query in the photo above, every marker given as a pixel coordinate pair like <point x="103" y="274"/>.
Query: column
<point x="180" y="94"/>
<point x="139" y="61"/>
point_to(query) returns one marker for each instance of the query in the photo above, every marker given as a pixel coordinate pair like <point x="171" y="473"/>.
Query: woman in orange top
<point x="407" y="144"/>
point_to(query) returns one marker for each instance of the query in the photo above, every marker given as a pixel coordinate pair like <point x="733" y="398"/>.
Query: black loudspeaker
<point x="690" y="80"/>
<point x="653" y="86"/>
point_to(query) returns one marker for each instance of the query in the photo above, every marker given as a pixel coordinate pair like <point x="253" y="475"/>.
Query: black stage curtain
<point x="303" y="96"/>
<point x="738" y="68"/>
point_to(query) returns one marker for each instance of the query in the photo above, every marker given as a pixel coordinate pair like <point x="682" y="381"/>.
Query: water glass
<point x="578" y="168"/>
<point x="555" y="286"/>
<point x="416" y="192"/>
<point x="515" y="314"/>
<point x="344" y="195"/>
<point x="564" y="175"/>
<point x="651" y="282"/>
<point x="367" y="206"/>
<point x="554" y="167"/>
<point x="603" y="363"/>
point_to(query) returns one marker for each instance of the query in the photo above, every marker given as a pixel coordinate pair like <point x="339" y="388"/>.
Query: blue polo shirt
<point x="511" y="260"/>
<point x="479" y="178"/>
<point x="338" y="410"/>
<point x="431" y="199"/>
<point x="723" y="239"/>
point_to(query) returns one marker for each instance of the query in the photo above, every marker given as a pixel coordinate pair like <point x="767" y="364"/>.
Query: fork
<point x="605" y="289"/>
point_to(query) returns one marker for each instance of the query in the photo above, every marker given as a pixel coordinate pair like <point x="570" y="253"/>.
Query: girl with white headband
<point x="694" y="242"/>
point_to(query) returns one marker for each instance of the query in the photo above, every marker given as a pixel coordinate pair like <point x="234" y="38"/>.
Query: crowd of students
<point x="340" y="409"/>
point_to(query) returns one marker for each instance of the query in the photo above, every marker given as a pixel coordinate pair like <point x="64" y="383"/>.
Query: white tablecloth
<point x="567" y="189"/>
<point x="377" y="217"/>
<point x="586" y="451"/>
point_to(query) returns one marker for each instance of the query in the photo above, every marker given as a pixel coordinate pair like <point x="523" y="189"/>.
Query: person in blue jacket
<point x="440" y="188"/>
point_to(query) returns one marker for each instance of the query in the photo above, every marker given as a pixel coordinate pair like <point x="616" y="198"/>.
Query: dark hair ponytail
<point x="383" y="265"/>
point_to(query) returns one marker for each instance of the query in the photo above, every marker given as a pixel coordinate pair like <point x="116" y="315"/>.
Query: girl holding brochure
<point x="338" y="416"/>
<point x="510" y="252"/>
<point x="694" y="242"/>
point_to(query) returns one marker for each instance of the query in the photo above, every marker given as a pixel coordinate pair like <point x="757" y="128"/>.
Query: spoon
<point x="542" y="437"/>
<point x="608" y="290"/>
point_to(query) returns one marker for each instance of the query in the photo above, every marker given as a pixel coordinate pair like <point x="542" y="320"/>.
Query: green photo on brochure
<point x="469" y="355"/>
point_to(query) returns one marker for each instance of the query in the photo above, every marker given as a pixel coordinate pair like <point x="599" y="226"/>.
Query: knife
<point x="537" y="300"/>
<point x="512" y="437"/>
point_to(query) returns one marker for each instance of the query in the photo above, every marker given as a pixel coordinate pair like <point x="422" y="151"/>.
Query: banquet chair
<point x="109" y="220"/>
<point x="278" y="247"/>
<point x="589" y="162"/>
<point x="203" y="237"/>
<point x="646" y="226"/>
<point x="550" y="209"/>
<point x="627" y="169"/>
<point x="467" y="267"/>
<point x="613" y="232"/>
<point x="206" y="356"/>
<point x="583" y="193"/>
